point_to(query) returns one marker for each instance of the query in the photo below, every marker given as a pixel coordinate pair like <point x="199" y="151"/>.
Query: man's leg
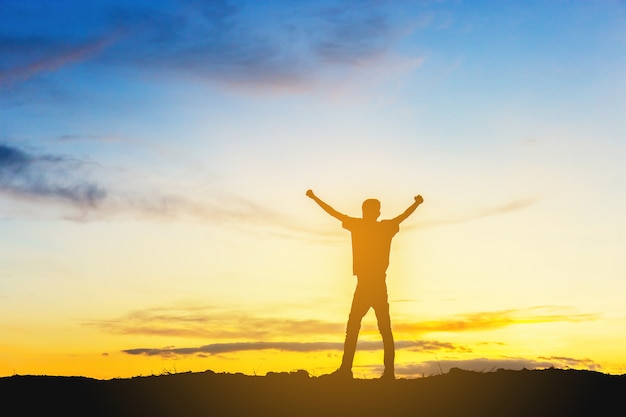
<point x="384" y="326"/>
<point x="359" y="308"/>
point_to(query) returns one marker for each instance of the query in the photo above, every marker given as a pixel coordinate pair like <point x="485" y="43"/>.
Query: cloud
<point x="505" y="208"/>
<point x="237" y="328"/>
<point x="566" y="362"/>
<point x="287" y="47"/>
<point x="216" y="207"/>
<point x="284" y="46"/>
<point x="498" y="210"/>
<point x="31" y="178"/>
<point x="28" y="176"/>
<point x="437" y="367"/>
<point x="492" y="320"/>
<point x="205" y="322"/>
<point x="221" y="348"/>
<point x="49" y="56"/>
<point x="353" y="35"/>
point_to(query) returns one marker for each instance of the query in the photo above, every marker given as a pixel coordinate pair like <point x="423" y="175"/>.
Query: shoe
<point x="339" y="374"/>
<point x="387" y="376"/>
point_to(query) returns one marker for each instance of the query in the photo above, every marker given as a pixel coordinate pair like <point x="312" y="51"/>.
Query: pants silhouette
<point x="369" y="293"/>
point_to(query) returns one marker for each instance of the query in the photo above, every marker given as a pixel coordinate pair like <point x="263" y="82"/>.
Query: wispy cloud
<point x="567" y="362"/>
<point x="491" y="320"/>
<point x="82" y="184"/>
<point x="353" y="35"/>
<point x="221" y="348"/>
<point x="204" y="322"/>
<point x="181" y="321"/>
<point x="436" y="367"/>
<point x="48" y="56"/>
<point x="52" y="177"/>
<point x="505" y="208"/>
<point x="92" y="192"/>
<point x="498" y="210"/>
<point x="238" y="331"/>
<point x="288" y="47"/>
<point x="276" y="47"/>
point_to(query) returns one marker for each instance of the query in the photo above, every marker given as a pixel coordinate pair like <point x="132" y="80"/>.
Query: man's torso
<point x="371" y="245"/>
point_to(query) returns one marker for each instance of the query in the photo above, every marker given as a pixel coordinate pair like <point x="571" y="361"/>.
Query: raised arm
<point x="328" y="209"/>
<point x="418" y="200"/>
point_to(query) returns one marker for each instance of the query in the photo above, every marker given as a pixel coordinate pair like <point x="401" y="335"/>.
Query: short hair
<point x="371" y="207"/>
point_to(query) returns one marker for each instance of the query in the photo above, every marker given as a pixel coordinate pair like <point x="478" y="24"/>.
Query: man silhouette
<point x="371" y="244"/>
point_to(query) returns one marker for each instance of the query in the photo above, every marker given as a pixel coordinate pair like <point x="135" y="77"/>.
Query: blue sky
<point x="154" y="157"/>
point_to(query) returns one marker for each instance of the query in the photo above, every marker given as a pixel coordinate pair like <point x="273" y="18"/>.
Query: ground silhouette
<point x="550" y="392"/>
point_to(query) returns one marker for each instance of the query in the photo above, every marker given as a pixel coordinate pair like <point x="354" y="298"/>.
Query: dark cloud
<point x="352" y="35"/>
<point x="31" y="178"/>
<point x="48" y="177"/>
<point x="221" y="348"/>
<point x="566" y="362"/>
<point x="219" y="42"/>
<point x="71" y="137"/>
<point x="286" y="46"/>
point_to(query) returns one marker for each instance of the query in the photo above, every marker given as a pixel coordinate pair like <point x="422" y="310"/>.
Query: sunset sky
<point x="154" y="159"/>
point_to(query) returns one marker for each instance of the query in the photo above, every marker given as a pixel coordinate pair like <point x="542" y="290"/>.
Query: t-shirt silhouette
<point x="371" y="243"/>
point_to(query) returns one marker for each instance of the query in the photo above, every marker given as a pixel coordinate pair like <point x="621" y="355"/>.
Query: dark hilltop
<point x="550" y="392"/>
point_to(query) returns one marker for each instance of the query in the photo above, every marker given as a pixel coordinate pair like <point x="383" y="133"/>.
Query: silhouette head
<point x="371" y="209"/>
